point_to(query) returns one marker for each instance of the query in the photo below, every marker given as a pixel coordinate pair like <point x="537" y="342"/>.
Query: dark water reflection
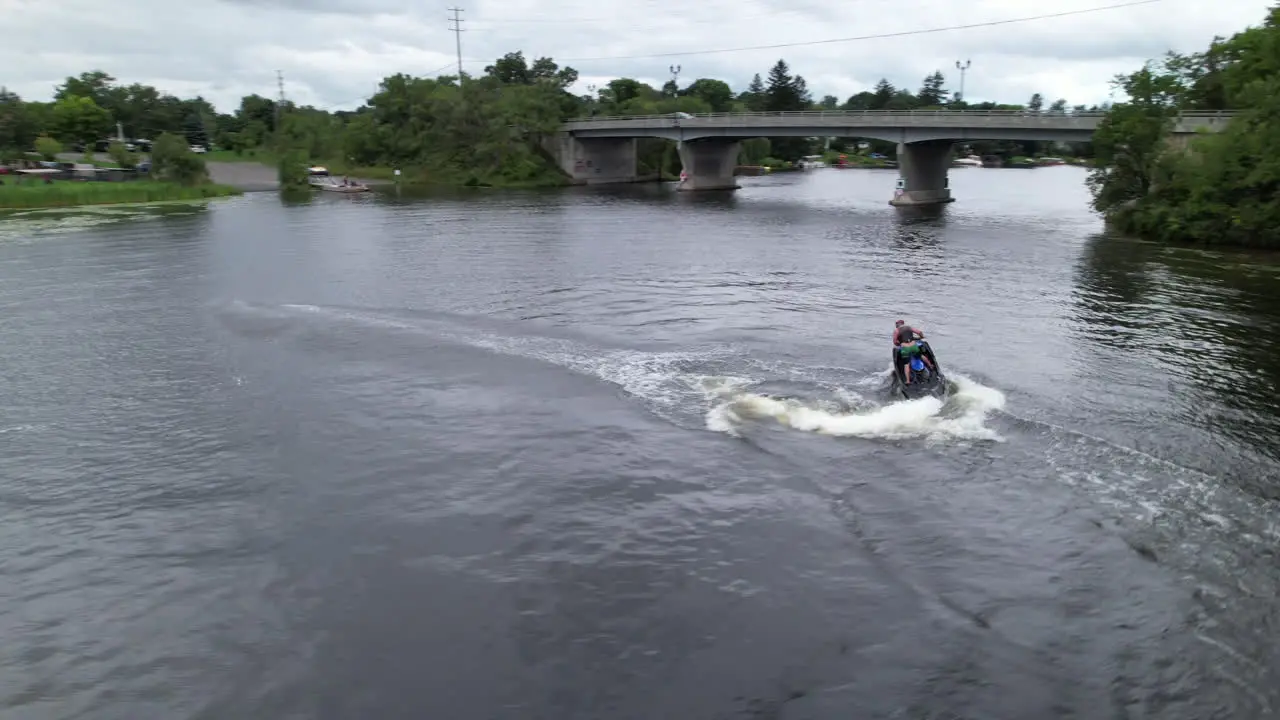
<point x="1206" y="325"/>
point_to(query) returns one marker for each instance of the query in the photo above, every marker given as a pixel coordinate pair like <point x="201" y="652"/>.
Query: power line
<point x="654" y="6"/>
<point x="654" y="9"/>
<point x="592" y="21"/>
<point x="450" y="64"/>
<point x="904" y="33"/>
<point x="878" y="36"/>
<point x="457" y="34"/>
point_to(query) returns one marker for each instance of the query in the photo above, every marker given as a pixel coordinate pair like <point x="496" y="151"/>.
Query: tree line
<point x="1218" y="188"/>
<point x="476" y="129"/>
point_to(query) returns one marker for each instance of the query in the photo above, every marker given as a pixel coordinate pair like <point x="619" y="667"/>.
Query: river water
<point x="628" y="453"/>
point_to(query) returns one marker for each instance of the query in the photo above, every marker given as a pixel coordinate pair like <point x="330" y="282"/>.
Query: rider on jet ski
<point x="904" y="341"/>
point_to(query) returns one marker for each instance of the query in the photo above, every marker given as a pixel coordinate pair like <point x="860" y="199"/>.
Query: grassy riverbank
<point x="438" y="175"/>
<point x="67" y="194"/>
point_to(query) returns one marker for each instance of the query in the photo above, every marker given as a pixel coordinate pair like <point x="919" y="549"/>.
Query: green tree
<point x="785" y="92"/>
<point x="78" y="119"/>
<point x="882" y="95"/>
<point x="95" y="85"/>
<point x="861" y="101"/>
<point x="258" y="109"/>
<point x="1130" y="140"/>
<point x="1221" y="188"/>
<point x="1036" y="103"/>
<point x="902" y="100"/>
<point x="511" y="69"/>
<point x="17" y="126"/>
<point x="173" y="161"/>
<point x="754" y="97"/>
<point x="48" y="147"/>
<point x="754" y="151"/>
<point x="829" y="102"/>
<point x="621" y="91"/>
<point x="545" y="70"/>
<point x="292" y="171"/>
<point x="933" y="92"/>
<point x="716" y="93"/>
<point x="121" y="155"/>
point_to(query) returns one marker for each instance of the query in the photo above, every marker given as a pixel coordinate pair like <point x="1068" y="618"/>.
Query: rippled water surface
<point x="628" y="453"/>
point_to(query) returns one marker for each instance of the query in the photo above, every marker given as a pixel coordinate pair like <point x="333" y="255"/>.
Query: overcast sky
<point x="333" y="52"/>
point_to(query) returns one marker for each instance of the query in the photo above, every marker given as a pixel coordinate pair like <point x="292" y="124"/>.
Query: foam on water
<point x="28" y="225"/>
<point x="961" y="417"/>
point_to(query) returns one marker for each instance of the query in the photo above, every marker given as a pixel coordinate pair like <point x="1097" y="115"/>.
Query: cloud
<point x="333" y="53"/>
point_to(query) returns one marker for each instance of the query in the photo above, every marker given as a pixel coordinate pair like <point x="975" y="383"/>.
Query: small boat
<point x="924" y="383"/>
<point x="319" y="178"/>
<point x="969" y="161"/>
<point x="339" y="186"/>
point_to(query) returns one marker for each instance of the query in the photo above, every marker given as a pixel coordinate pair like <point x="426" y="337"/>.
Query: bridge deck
<point x="965" y="123"/>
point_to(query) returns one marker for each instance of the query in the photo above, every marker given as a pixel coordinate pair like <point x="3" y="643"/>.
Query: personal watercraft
<point x="924" y="382"/>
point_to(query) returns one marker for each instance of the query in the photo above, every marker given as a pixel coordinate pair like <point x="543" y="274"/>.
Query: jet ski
<point x="924" y="382"/>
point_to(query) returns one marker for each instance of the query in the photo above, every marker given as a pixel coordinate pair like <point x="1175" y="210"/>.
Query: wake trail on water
<point x="723" y="388"/>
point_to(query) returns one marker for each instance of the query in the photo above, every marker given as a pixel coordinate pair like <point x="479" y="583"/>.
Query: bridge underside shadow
<point x="709" y="164"/>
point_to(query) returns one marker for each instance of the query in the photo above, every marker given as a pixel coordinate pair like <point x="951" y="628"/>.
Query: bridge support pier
<point x="922" y="174"/>
<point x="709" y="164"/>
<point x="595" y="161"/>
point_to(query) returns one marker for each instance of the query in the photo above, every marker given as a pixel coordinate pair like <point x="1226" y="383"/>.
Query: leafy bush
<point x="48" y="147"/>
<point x="121" y="155"/>
<point x="292" y="171"/>
<point x="173" y="161"/>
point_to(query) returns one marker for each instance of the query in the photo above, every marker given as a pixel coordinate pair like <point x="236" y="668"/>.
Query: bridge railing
<point x="879" y="114"/>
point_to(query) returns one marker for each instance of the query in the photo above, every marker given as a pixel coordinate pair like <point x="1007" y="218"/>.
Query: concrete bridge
<point x="603" y="149"/>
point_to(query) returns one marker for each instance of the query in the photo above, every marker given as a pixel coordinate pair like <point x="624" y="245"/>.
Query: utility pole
<point x="457" y="34"/>
<point x="963" y="69"/>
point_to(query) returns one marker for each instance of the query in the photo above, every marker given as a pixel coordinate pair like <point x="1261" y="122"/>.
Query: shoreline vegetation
<point x="173" y="172"/>
<point x="483" y="130"/>
<point x="1218" y="188"/>
<point x="70" y="193"/>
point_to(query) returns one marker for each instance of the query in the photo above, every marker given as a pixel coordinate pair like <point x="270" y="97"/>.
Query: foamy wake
<point x="963" y="416"/>
<point x="677" y="385"/>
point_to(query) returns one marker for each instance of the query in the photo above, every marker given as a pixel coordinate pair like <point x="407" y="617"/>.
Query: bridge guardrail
<point x="882" y="114"/>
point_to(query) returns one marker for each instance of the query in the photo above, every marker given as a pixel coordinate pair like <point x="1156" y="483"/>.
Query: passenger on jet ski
<point x="905" y="342"/>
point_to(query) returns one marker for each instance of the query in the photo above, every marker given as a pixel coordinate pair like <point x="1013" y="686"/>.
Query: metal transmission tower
<point x="457" y="34"/>
<point x="279" y="103"/>
<point x="963" y="69"/>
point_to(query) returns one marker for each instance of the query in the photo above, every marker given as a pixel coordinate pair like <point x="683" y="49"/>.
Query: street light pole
<point x="963" y="69"/>
<point x="675" y="76"/>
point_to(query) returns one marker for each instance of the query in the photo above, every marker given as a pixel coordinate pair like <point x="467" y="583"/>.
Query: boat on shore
<point x="320" y="179"/>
